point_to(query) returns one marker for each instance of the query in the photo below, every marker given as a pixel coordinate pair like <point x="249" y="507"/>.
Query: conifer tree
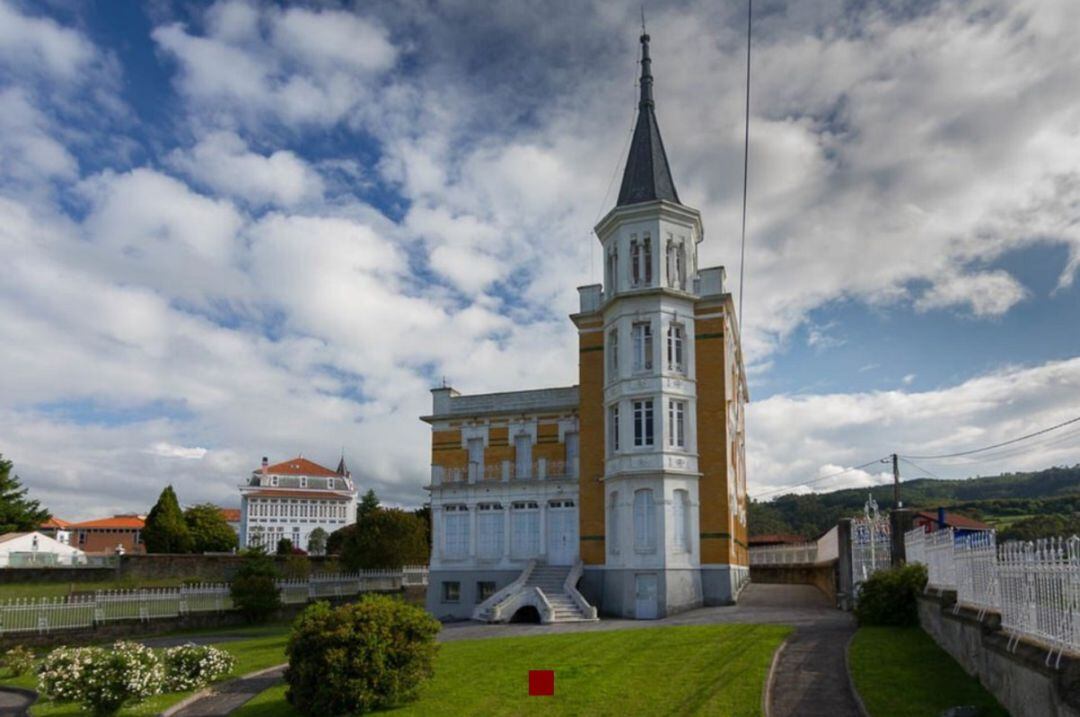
<point x="18" y="514"/>
<point x="369" y="503"/>
<point x="166" y="531"/>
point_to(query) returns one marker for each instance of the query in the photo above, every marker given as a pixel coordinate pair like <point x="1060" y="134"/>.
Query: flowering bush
<point x="102" y="680"/>
<point x="18" y="660"/>
<point x="188" y="667"/>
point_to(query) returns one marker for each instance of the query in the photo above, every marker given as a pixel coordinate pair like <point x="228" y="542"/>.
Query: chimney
<point x="265" y="463"/>
<point x="941" y="517"/>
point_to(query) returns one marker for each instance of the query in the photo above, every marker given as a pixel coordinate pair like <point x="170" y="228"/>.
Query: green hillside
<point x="1020" y="505"/>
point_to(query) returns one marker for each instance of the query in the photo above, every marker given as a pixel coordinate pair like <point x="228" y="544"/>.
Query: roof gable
<point x="298" y="466"/>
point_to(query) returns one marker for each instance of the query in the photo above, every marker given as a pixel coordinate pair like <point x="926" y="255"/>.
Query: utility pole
<point x="896" y="481"/>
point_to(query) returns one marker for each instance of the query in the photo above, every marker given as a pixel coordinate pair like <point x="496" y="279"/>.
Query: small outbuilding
<point x="35" y="549"/>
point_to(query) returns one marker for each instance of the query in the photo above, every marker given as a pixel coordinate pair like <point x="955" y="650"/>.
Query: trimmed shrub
<point x="18" y="660"/>
<point x="254" y="590"/>
<point x="189" y="667"/>
<point x="888" y="597"/>
<point x="369" y="655"/>
<point x="102" y="680"/>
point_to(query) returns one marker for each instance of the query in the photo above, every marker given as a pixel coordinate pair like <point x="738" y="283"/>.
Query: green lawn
<point x="9" y="591"/>
<point x="707" y="670"/>
<point x="261" y="647"/>
<point x="901" y="672"/>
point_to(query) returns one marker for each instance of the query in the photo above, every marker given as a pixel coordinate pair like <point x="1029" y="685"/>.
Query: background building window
<point x="677" y="424"/>
<point x="643" y="348"/>
<point x="643" y="422"/>
<point x="484" y="590"/>
<point x="451" y="591"/>
<point x="644" y="521"/>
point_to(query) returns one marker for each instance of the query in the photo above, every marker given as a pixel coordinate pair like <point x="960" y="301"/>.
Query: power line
<point x="999" y="445"/>
<point x="818" y="480"/>
<point x="746" y="159"/>
<point x="918" y="467"/>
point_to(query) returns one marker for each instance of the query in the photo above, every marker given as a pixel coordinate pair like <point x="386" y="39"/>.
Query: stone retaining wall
<point x="823" y="577"/>
<point x="205" y="568"/>
<point x="1020" y="679"/>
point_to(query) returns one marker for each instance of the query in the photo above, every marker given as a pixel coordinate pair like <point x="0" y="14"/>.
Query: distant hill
<point x="1004" y="501"/>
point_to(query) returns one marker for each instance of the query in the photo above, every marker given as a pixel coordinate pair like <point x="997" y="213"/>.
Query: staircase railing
<point x="487" y="609"/>
<point x="529" y="596"/>
<point x="570" y="588"/>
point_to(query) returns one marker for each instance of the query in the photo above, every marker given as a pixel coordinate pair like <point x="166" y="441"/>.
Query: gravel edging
<point x="766" y="694"/>
<point x="213" y="689"/>
<point x="851" y="679"/>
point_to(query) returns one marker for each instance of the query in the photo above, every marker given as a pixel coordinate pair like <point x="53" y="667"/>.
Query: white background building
<point x="293" y="498"/>
<point x="34" y="549"/>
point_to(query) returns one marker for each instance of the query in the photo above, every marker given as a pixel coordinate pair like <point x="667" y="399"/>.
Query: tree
<point x="210" y="532"/>
<point x="254" y="589"/>
<point x="166" y="531"/>
<point x="424" y="514"/>
<point x="18" y="514"/>
<point x="387" y="538"/>
<point x="369" y="503"/>
<point x="316" y="544"/>
<point x="337" y="539"/>
<point x="284" y="546"/>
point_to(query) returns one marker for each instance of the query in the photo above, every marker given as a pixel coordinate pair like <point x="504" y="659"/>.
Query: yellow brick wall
<point x="716" y="528"/>
<point x="591" y="443"/>
<point x="446" y="450"/>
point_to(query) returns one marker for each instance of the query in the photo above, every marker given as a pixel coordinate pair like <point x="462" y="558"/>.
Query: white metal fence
<point x="791" y="554"/>
<point x="44" y="615"/>
<point x="1035" y="587"/>
<point x="871" y="547"/>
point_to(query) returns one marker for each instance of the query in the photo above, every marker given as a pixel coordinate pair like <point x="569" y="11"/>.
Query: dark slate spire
<point x="647" y="175"/>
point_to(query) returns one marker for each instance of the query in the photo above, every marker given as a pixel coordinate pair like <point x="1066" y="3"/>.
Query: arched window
<point x="635" y="262"/>
<point x="613" y="523"/>
<point x="680" y="514"/>
<point x="644" y="521"/>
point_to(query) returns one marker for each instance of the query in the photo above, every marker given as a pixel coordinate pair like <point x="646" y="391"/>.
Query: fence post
<point x="901" y="520"/>
<point x="845" y="584"/>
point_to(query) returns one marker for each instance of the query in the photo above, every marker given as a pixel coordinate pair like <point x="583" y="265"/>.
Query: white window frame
<point x="680" y="513"/>
<point x="489" y="531"/>
<point x="676" y="423"/>
<point x="644" y="521"/>
<point x="613" y="428"/>
<point x="613" y="353"/>
<point x="676" y="347"/>
<point x="642" y="341"/>
<point x="455" y="531"/>
<point x="644" y="417"/>
<point x="524" y="529"/>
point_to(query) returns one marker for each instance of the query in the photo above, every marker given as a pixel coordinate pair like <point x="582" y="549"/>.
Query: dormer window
<point x="303" y="481"/>
<point x="273" y="481"/>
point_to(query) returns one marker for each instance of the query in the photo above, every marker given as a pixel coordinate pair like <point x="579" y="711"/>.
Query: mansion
<point x="293" y="498"/>
<point x="624" y="494"/>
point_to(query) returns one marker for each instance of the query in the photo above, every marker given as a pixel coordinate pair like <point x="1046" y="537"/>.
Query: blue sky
<point x="245" y="229"/>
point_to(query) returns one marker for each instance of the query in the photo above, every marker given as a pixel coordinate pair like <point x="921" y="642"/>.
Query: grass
<point x="11" y="591"/>
<point x="260" y="647"/>
<point x="707" y="670"/>
<point x="901" y="672"/>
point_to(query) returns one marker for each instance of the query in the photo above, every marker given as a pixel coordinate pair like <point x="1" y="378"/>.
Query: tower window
<point x="644" y="521"/>
<point x="675" y="345"/>
<point x="613" y="427"/>
<point x="635" y="262"/>
<point x="677" y="424"/>
<point x="680" y="266"/>
<point x="613" y="353"/>
<point x="643" y="346"/>
<point x="643" y="422"/>
<point x="613" y="271"/>
<point x="680" y="512"/>
<point x="613" y="523"/>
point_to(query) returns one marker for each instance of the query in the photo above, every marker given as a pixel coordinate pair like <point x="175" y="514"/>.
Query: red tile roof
<point x="298" y="466"/>
<point x="316" y="494"/>
<point x="130" y="522"/>
<point x="954" y="520"/>
<point x="55" y="523"/>
<point x="230" y="514"/>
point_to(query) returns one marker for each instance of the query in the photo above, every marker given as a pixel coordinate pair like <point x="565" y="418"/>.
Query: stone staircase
<point x="551" y="579"/>
<point x="539" y="584"/>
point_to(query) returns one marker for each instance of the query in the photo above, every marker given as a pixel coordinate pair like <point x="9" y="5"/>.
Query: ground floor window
<point x="451" y="591"/>
<point x="484" y="590"/>
<point x="489" y="531"/>
<point x="525" y="529"/>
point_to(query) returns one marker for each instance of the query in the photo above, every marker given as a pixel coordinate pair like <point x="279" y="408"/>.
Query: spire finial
<point x="646" y="71"/>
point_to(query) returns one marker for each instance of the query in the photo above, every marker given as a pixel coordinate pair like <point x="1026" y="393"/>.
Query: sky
<point x="240" y="229"/>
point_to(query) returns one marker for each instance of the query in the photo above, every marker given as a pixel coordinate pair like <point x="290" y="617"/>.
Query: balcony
<point x="504" y="472"/>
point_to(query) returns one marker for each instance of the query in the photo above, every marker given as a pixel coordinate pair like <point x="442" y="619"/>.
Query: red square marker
<point x="541" y="683"/>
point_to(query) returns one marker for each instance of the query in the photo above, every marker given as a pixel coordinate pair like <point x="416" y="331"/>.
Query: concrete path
<point x="811" y="676"/>
<point x="15" y="702"/>
<point x="231" y="695"/>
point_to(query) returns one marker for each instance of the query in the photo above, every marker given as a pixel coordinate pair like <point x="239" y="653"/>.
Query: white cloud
<point x="168" y="450"/>
<point x="222" y="161"/>
<point x="41" y="44"/>
<point x="987" y="294"/>
<point x="28" y="150"/>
